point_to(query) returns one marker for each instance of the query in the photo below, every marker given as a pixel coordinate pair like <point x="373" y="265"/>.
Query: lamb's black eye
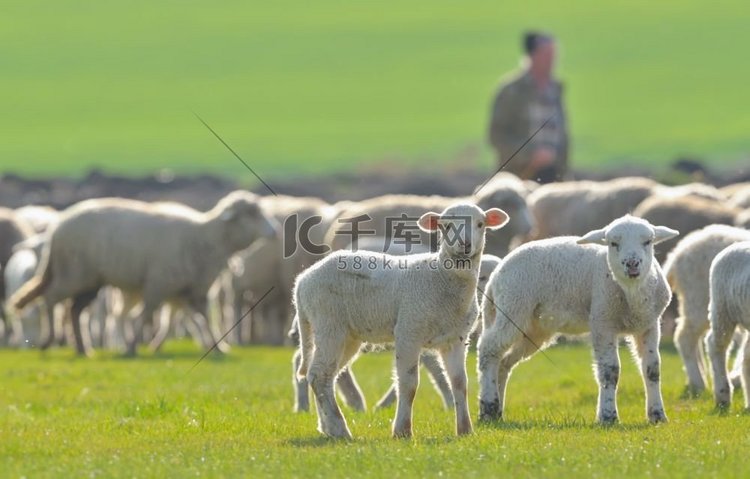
<point x="614" y="244"/>
<point x="646" y="243"/>
<point x="480" y="224"/>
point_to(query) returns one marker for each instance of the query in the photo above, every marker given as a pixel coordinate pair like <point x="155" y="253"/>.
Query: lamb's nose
<point x="633" y="263"/>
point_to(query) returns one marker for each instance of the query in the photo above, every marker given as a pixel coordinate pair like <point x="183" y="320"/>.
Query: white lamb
<point x="730" y="306"/>
<point x="687" y="270"/>
<point x="606" y="282"/>
<point x="431" y="362"/>
<point x="421" y="301"/>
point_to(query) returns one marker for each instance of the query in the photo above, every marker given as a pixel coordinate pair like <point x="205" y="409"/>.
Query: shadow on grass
<point x="317" y="442"/>
<point x="689" y="394"/>
<point x="143" y="356"/>
<point x="561" y="425"/>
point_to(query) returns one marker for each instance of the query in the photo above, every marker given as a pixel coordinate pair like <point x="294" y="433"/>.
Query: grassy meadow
<point x="152" y="417"/>
<point x="322" y="86"/>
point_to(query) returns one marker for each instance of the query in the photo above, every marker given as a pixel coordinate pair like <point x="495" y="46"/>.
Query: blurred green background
<point x="307" y="87"/>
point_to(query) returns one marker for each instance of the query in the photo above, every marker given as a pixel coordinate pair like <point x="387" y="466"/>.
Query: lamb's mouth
<point x="632" y="273"/>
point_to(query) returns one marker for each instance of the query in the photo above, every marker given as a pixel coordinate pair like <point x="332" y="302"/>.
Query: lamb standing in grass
<point x="687" y="270"/>
<point x="606" y="282"/>
<point x="729" y="279"/>
<point x="431" y="362"/>
<point x="160" y="252"/>
<point x="426" y="301"/>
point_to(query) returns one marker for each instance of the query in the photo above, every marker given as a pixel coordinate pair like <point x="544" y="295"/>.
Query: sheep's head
<point x="630" y="245"/>
<point x="462" y="227"/>
<point x="244" y="219"/>
<point x="511" y="198"/>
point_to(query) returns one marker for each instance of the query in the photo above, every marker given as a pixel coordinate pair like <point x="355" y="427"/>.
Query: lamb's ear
<point x="428" y="222"/>
<point x="662" y="233"/>
<point x="495" y="218"/>
<point x="595" y="237"/>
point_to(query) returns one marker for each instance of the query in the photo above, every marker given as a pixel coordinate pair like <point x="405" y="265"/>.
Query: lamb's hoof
<point x="402" y="434"/>
<point x="339" y="435"/>
<point x="608" y="419"/>
<point x="223" y="347"/>
<point x="657" y="416"/>
<point x="402" y="431"/>
<point x="490" y="411"/>
<point x="692" y="392"/>
<point x="722" y="406"/>
<point x="464" y="429"/>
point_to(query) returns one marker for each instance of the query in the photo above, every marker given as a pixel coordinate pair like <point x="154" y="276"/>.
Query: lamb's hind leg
<point x="350" y="390"/>
<point x="438" y="377"/>
<point x="301" y="389"/>
<point x="346" y="382"/>
<point x="718" y="342"/>
<point x="321" y="376"/>
<point x="495" y="341"/>
<point x="522" y="349"/>
<point x="688" y="341"/>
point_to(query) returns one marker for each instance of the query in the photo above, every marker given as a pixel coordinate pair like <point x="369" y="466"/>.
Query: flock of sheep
<point x="577" y="257"/>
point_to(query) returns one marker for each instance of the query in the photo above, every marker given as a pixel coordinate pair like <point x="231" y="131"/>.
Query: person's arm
<point x="504" y="128"/>
<point x="565" y="138"/>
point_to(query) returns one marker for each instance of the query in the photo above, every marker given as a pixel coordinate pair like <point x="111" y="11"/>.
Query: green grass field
<point x="150" y="417"/>
<point x="313" y="87"/>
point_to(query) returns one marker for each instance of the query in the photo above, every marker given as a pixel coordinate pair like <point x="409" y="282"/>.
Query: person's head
<point x="540" y="50"/>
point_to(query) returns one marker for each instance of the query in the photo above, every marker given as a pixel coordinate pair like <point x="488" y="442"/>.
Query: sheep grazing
<point x="686" y="214"/>
<point x="419" y="301"/>
<point x="606" y="282"/>
<point x="575" y="207"/>
<point x="687" y="268"/>
<point x="160" y="252"/>
<point x="729" y="307"/>
<point x="505" y="191"/>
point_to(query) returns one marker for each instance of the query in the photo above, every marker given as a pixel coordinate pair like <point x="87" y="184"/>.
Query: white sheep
<point x="431" y="362"/>
<point x="160" y="252"/>
<point x="687" y="271"/>
<point x="729" y="307"/>
<point x="606" y="282"/>
<point x="387" y="214"/>
<point x="419" y="301"/>
<point x="575" y="207"/>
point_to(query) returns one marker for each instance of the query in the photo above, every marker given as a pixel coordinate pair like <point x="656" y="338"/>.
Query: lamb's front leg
<point x="607" y="362"/>
<point x="454" y="359"/>
<point x="647" y="349"/>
